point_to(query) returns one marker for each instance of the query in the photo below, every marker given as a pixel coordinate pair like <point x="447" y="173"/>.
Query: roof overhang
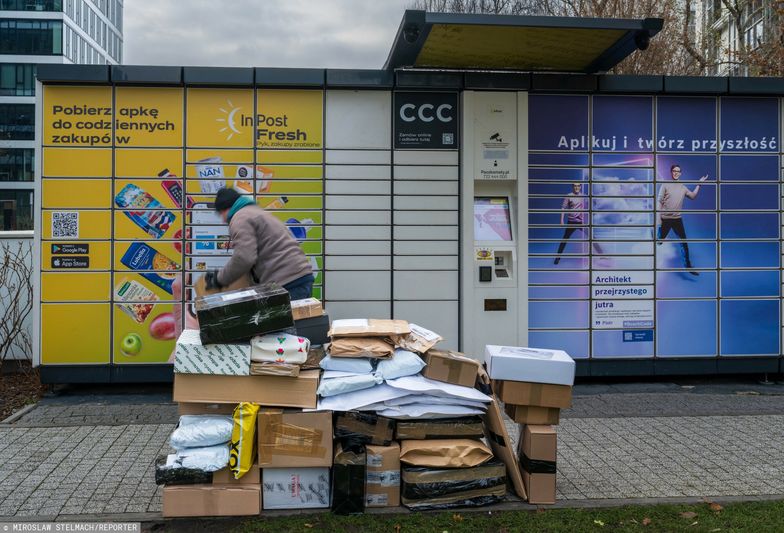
<point x="504" y="42"/>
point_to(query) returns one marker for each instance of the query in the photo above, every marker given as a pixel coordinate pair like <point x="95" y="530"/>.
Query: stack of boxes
<point x="534" y="386"/>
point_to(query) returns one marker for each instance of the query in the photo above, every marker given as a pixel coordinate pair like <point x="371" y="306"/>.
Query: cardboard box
<point x="294" y="439"/>
<point x="513" y="363"/>
<point x="364" y="427"/>
<point x="315" y="329"/>
<point x="193" y="357"/>
<point x="470" y="427"/>
<point x="306" y="308"/>
<point x="268" y="368"/>
<point x="238" y="316"/>
<point x="211" y="500"/>
<point x="383" y="475"/>
<point x="295" y="488"/>
<point x="373" y="327"/>
<point x="193" y="408"/>
<point x="225" y="477"/>
<point x="201" y="286"/>
<point x="538" y="451"/>
<point x="527" y="414"/>
<point x="436" y="488"/>
<point x="273" y="391"/>
<point x="535" y="394"/>
<point x="502" y="446"/>
<point x="451" y="367"/>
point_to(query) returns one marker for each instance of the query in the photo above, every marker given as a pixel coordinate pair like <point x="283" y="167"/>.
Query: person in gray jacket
<point x="262" y="246"/>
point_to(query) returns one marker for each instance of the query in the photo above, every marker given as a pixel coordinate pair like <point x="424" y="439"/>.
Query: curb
<point x="18" y="414"/>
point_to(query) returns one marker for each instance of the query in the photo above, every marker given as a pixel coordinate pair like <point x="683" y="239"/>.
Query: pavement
<point x="87" y="453"/>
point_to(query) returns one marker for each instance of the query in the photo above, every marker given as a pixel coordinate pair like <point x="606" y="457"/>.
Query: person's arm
<point x="660" y="199"/>
<point x="245" y="252"/>
<point x="691" y="195"/>
<point x="564" y="205"/>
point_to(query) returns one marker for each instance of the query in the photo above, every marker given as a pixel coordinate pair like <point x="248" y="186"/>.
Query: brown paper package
<point x="444" y="453"/>
<point x="361" y="347"/>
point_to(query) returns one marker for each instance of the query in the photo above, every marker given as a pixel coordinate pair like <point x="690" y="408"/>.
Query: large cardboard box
<point x="450" y="367"/>
<point x="306" y="308"/>
<point x="225" y="477"/>
<point x="295" y="488"/>
<point x="211" y="500"/>
<point x="527" y="414"/>
<point x="273" y="391"/>
<point x="193" y="357"/>
<point x="535" y="394"/>
<point x="502" y="446"/>
<point x="383" y="475"/>
<point x="294" y="439"/>
<point x="514" y="363"/>
<point x="538" y="453"/>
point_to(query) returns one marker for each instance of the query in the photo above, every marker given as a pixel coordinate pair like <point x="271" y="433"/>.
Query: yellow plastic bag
<point x="243" y="438"/>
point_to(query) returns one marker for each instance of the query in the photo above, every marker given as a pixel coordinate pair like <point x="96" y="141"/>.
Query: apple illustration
<point x="131" y="344"/>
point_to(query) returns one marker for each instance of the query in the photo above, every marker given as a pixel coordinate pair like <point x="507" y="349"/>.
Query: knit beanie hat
<point x="225" y="198"/>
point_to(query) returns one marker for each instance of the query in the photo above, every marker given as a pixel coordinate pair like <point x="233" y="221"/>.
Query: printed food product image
<point x="138" y="300"/>
<point x="144" y="210"/>
<point x="143" y="257"/>
<point x="150" y="340"/>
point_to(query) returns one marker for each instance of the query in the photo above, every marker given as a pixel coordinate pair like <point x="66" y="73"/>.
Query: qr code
<point x="65" y="225"/>
<point x="447" y="138"/>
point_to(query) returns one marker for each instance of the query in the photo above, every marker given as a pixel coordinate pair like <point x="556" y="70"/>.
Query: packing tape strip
<point x="287" y="439"/>
<point x="536" y="466"/>
<point x="454" y="366"/>
<point x="537" y="390"/>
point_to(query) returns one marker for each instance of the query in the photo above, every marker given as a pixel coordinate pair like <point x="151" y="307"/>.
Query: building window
<point x="31" y="5"/>
<point x="16" y="164"/>
<point x="17" y="122"/>
<point x="39" y="37"/>
<point x="17" y="79"/>
<point x="16" y="206"/>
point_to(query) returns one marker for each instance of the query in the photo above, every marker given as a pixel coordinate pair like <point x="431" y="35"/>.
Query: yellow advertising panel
<point x="143" y="163"/>
<point x="77" y="163"/>
<point x="289" y="119"/>
<point x="148" y="116"/>
<point x="65" y="256"/>
<point x="292" y="172"/>
<point x="143" y="333"/>
<point x="227" y="156"/>
<point x="75" y="333"/>
<point x="76" y="286"/>
<point x="76" y="225"/>
<point x="72" y="194"/>
<point x="289" y="156"/>
<point x="220" y="118"/>
<point x="156" y="224"/>
<point x="77" y="116"/>
<point x="166" y="192"/>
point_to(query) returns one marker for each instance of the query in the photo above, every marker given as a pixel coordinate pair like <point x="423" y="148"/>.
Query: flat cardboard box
<point x="295" y="488"/>
<point x="470" y="427"/>
<point x="272" y="391"/>
<point x="211" y="500"/>
<point x="535" y="394"/>
<point x="373" y="327"/>
<point x="426" y="488"/>
<point x="365" y="427"/>
<point x="526" y="414"/>
<point x="194" y="408"/>
<point x="451" y="367"/>
<point x="288" y="438"/>
<point x="502" y="446"/>
<point x="306" y="308"/>
<point x="540" y="487"/>
<point x="193" y="357"/>
<point x="514" y="363"/>
<point x="383" y="475"/>
<point x="224" y="476"/>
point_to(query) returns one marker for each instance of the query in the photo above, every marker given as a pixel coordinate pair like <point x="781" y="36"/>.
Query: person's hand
<point x="211" y="281"/>
<point x="705" y="177"/>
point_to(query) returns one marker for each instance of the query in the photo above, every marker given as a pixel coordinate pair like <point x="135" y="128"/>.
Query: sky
<point x="261" y="33"/>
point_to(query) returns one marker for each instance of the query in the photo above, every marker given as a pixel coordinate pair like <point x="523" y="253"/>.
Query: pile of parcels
<point x="283" y="409"/>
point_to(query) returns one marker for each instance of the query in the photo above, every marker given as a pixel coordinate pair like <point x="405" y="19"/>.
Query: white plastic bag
<point x="359" y="365"/>
<point x="335" y="386"/>
<point x="279" y="348"/>
<point x="207" y="459"/>
<point x="403" y="363"/>
<point x="197" y="431"/>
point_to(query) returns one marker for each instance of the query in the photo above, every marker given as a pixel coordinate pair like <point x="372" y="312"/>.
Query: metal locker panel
<point x="426" y="262"/>
<point x="426" y="173"/>
<point x="358" y="232"/>
<point x="358" y="119"/>
<point x="439" y="218"/>
<point x="425" y="232"/>
<point x="358" y="218"/>
<point x="357" y="285"/>
<point x="426" y="285"/>
<point x="357" y="202"/>
<point x="427" y="187"/>
<point x="357" y="247"/>
<point x="441" y="317"/>
<point x="426" y="157"/>
<point x="358" y="172"/>
<point x="358" y="187"/>
<point x="358" y="157"/>
<point x="339" y="310"/>
<point x="358" y="262"/>
<point x="437" y="203"/>
<point x="426" y="247"/>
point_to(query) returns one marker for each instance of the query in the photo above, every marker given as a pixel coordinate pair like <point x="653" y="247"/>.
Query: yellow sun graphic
<point x="229" y="127"/>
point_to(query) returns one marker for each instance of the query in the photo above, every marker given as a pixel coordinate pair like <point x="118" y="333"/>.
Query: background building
<point x="33" y="32"/>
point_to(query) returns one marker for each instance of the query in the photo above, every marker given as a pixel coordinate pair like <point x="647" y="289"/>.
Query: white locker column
<point x="426" y="218"/>
<point x="358" y="232"/>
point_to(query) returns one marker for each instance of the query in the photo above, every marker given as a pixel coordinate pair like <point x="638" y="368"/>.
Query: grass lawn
<point x="706" y="517"/>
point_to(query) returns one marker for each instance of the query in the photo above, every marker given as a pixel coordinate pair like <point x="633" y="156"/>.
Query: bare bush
<point x="16" y="299"/>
